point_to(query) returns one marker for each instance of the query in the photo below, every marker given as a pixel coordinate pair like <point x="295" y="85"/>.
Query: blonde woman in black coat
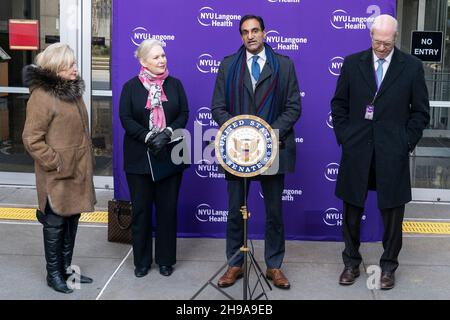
<point x="152" y="105"/>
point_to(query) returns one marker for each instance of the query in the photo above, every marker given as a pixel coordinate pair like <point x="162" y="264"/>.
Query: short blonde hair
<point x="56" y="57"/>
<point x="144" y="48"/>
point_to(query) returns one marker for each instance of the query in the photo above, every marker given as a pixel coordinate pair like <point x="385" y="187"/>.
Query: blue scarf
<point x="234" y="89"/>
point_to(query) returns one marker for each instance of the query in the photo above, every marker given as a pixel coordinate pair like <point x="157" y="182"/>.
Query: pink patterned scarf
<point x="156" y="96"/>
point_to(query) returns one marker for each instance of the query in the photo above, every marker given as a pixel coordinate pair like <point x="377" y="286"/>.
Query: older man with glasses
<point x="380" y="109"/>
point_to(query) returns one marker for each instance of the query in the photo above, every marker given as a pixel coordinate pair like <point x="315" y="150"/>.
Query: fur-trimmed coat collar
<point x="65" y="90"/>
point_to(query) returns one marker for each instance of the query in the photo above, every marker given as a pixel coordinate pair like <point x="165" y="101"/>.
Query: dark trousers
<point x="164" y="196"/>
<point x="272" y="188"/>
<point x="392" y="237"/>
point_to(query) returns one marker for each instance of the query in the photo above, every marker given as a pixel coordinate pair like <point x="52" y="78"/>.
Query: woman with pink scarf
<point x="153" y="105"/>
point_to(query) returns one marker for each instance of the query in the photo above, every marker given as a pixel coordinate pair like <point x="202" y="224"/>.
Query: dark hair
<point x="251" y="16"/>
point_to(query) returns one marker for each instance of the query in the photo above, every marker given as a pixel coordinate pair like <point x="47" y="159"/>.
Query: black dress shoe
<point x="348" y="276"/>
<point x="140" y="272"/>
<point x="80" y="277"/>
<point x="387" y="280"/>
<point x="165" y="270"/>
<point x="85" y="279"/>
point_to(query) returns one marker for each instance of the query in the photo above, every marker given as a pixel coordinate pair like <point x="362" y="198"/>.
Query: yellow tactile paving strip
<point x="426" y="227"/>
<point x="421" y="227"/>
<point x="30" y="214"/>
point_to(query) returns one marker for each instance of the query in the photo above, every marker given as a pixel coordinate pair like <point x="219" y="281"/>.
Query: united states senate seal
<point x="246" y="146"/>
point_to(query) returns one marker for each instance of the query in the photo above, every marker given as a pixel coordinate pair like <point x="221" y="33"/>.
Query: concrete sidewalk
<point x="312" y="267"/>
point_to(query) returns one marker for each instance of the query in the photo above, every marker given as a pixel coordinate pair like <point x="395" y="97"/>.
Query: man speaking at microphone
<point x="257" y="81"/>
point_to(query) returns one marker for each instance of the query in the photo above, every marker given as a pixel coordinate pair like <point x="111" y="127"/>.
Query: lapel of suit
<point x="142" y="96"/>
<point x="266" y="73"/>
<point x="166" y="89"/>
<point x="395" y="68"/>
<point x="248" y="81"/>
<point x="249" y="96"/>
<point x="262" y="84"/>
<point x="366" y="67"/>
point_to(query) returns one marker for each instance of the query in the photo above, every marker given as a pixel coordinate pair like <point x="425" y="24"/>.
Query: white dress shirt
<point x="261" y="61"/>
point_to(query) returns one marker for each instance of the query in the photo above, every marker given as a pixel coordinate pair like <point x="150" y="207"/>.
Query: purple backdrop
<point x="316" y="35"/>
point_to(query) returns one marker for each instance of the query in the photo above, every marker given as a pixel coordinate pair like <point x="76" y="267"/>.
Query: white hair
<point x="56" y="57"/>
<point x="384" y="21"/>
<point x="144" y="48"/>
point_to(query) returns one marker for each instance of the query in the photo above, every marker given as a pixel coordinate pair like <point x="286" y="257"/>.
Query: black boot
<point x="53" y="240"/>
<point x="70" y="233"/>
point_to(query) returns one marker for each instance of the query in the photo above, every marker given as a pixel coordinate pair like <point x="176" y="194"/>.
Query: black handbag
<point x="120" y="217"/>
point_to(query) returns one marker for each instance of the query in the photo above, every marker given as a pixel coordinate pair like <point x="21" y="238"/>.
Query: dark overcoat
<point x="288" y="99"/>
<point x="400" y="116"/>
<point x="134" y="118"/>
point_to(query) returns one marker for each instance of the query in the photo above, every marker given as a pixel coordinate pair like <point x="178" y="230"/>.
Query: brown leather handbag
<point x="120" y="217"/>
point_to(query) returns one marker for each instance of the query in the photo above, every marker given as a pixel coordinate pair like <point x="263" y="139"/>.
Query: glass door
<point x="85" y="26"/>
<point x="16" y="166"/>
<point x="430" y="162"/>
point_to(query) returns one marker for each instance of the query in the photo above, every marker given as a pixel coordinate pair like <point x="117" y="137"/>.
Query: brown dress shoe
<point x="387" y="280"/>
<point x="348" y="276"/>
<point x="230" y="276"/>
<point x="278" y="278"/>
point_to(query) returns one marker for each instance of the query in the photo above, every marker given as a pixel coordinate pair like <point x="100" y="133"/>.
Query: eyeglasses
<point x="386" y="44"/>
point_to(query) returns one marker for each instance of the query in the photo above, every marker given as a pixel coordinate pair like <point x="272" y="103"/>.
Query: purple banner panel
<point x="197" y="35"/>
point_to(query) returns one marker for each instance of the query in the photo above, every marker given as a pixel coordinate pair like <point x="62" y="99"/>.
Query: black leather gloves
<point x="157" y="142"/>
